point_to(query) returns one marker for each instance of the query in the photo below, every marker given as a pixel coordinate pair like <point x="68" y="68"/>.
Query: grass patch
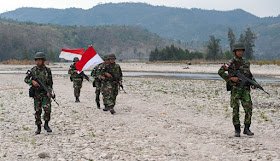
<point x="74" y="111"/>
<point x="5" y="155"/>
<point x="33" y="141"/>
<point x="25" y="128"/>
<point x="21" y="92"/>
<point x="93" y="135"/>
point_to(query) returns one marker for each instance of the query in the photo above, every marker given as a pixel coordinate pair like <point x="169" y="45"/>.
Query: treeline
<point x="214" y="50"/>
<point x="174" y="54"/>
<point x="21" y="40"/>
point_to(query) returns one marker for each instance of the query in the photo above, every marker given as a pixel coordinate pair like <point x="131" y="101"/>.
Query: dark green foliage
<point x="173" y="53"/>
<point x="19" y="40"/>
<point x="231" y="38"/>
<point x="214" y="51"/>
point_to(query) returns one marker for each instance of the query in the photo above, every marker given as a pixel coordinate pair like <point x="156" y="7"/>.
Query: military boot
<point x="247" y="130"/>
<point x="98" y="105"/>
<point x="46" y="126"/>
<point x="77" y="99"/>
<point x="106" y="108"/>
<point x="112" y="110"/>
<point x="38" y="131"/>
<point x="237" y="130"/>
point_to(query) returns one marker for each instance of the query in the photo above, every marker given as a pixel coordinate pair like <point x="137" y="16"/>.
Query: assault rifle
<point x="114" y="79"/>
<point x="244" y="80"/>
<point x="82" y="73"/>
<point x="42" y="85"/>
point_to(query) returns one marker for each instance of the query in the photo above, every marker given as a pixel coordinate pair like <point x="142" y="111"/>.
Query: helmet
<point x="112" y="56"/>
<point x="238" y="46"/>
<point x="75" y="59"/>
<point x="105" y="57"/>
<point x="40" y="55"/>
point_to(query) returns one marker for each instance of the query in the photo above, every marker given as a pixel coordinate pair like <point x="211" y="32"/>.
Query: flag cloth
<point x="89" y="58"/>
<point x="71" y="54"/>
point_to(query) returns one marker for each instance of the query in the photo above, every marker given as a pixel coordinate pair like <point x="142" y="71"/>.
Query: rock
<point x="44" y="155"/>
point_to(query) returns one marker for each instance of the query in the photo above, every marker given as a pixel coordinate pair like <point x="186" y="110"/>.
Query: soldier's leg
<point x="47" y="112"/>
<point x="234" y="102"/>
<point x="115" y="93"/>
<point x="248" y="107"/>
<point x="97" y="94"/>
<point x="106" y="95"/>
<point x="38" y="112"/>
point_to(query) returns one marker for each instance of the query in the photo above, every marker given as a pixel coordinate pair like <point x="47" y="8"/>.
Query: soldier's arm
<point x="50" y="80"/>
<point x="120" y="74"/>
<point x="28" y="79"/>
<point x="223" y="74"/>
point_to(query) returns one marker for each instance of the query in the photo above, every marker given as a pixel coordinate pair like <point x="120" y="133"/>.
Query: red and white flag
<point x="71" y="54"/>
<point x="89" y="58"/>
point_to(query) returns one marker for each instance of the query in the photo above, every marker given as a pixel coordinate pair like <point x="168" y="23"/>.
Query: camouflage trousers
<point x="245" y="98"/>
<point x="97" y="90"/>
<point x="77" y="85"/>
<point x="109" y="91"/>
<point x="41" y="101"/>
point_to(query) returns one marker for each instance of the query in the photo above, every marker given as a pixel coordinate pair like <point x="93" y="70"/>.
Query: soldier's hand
<point x="253" y="87"/>
<point x="102" y="77"/>
<point x="48" y="95"/>
<point x="76" y="71"/>
<point x="234" y="79"/>
<point x="108" y="75"/>
<point x="34" y="83"/>
<point x="120" y="82"/>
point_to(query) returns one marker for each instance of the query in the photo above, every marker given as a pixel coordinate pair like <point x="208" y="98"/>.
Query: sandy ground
<point x="157" y="119"/>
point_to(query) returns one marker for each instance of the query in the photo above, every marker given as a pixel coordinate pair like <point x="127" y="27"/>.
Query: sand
<point x="157" y="119"/>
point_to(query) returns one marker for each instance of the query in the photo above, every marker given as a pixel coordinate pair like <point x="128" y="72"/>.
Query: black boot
<point x="98" y="105"/>
<point x="77" y="99"/>
<point x="38" y="131"/>
<point x="46" y="126"/>
<point x="106" y="108"/>
<point x="112" y="110"/>
<point x="247" y="130"/>
<point x="237" y="130"/>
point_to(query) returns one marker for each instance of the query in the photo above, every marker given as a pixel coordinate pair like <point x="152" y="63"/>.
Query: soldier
<point x="111" y="79"/>
<point x="76" y="78"/>
<point x="238" y="63"/>
<point x="42" y="99"/>
<point x="97" y="82"/>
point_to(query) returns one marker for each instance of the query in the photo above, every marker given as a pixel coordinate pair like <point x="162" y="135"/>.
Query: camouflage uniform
<point x="41" y="100"/>
<point x="237" y="92"/>
<point x="109" y="86"/>
<point x="97" y="83"/>
<point x="77" y="81"/>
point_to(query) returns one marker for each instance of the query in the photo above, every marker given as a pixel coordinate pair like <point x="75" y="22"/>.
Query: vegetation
<point x="190" y="27"/>
<point x="21" y="40"/>
<point x="174" y="54"/>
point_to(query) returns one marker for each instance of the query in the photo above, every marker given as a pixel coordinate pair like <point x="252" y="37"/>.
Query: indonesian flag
<point x="89" y="58"/>
<point x="71" y="54"/>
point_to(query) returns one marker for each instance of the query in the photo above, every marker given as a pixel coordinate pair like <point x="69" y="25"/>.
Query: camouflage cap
<point x="75" y="59"/>
<point x="40" y="55"/>
<point x="238" y="46"/>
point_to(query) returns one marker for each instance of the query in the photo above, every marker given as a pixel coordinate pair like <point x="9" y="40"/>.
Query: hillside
<point x="190" y="26"/>
<point x="19" y="40"/>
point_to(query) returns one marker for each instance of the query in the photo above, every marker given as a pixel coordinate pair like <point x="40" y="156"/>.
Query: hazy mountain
<point x="192" y="26"/>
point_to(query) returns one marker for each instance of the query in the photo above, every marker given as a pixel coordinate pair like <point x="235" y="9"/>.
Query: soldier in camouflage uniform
<point x="97" y="82"/>
<point x="111" y="77"/>
<point x="76" y="78"/>
<point x="237" y="93"/>
<point x="42" y="99"/>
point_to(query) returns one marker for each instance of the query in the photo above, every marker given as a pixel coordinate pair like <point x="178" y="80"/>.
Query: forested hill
<point x="191" y="26"/>
<point x="20" y="40"/>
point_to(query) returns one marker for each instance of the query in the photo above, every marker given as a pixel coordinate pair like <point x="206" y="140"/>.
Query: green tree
<point x="231" y="38"/>
<point x="213" y="49"/>
<point x="249" y="44"/>
<point x="227" y="55"/>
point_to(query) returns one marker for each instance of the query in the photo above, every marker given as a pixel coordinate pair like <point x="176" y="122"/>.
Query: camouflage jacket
<point x="73" y="74"/>
<point x="44" y="74"/>
<point x="113" y="69"/>
<point x="236" y="64"/>
<point x="96" y="71"/>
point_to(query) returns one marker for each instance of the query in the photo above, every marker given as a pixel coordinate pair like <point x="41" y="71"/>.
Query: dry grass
<point x="21" y="62"/>
<point x="266" y="62"/>
<point x="194" y="61"/>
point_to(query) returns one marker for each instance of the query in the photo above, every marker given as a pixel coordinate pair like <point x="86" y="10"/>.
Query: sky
<point x="260" y="8"/>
